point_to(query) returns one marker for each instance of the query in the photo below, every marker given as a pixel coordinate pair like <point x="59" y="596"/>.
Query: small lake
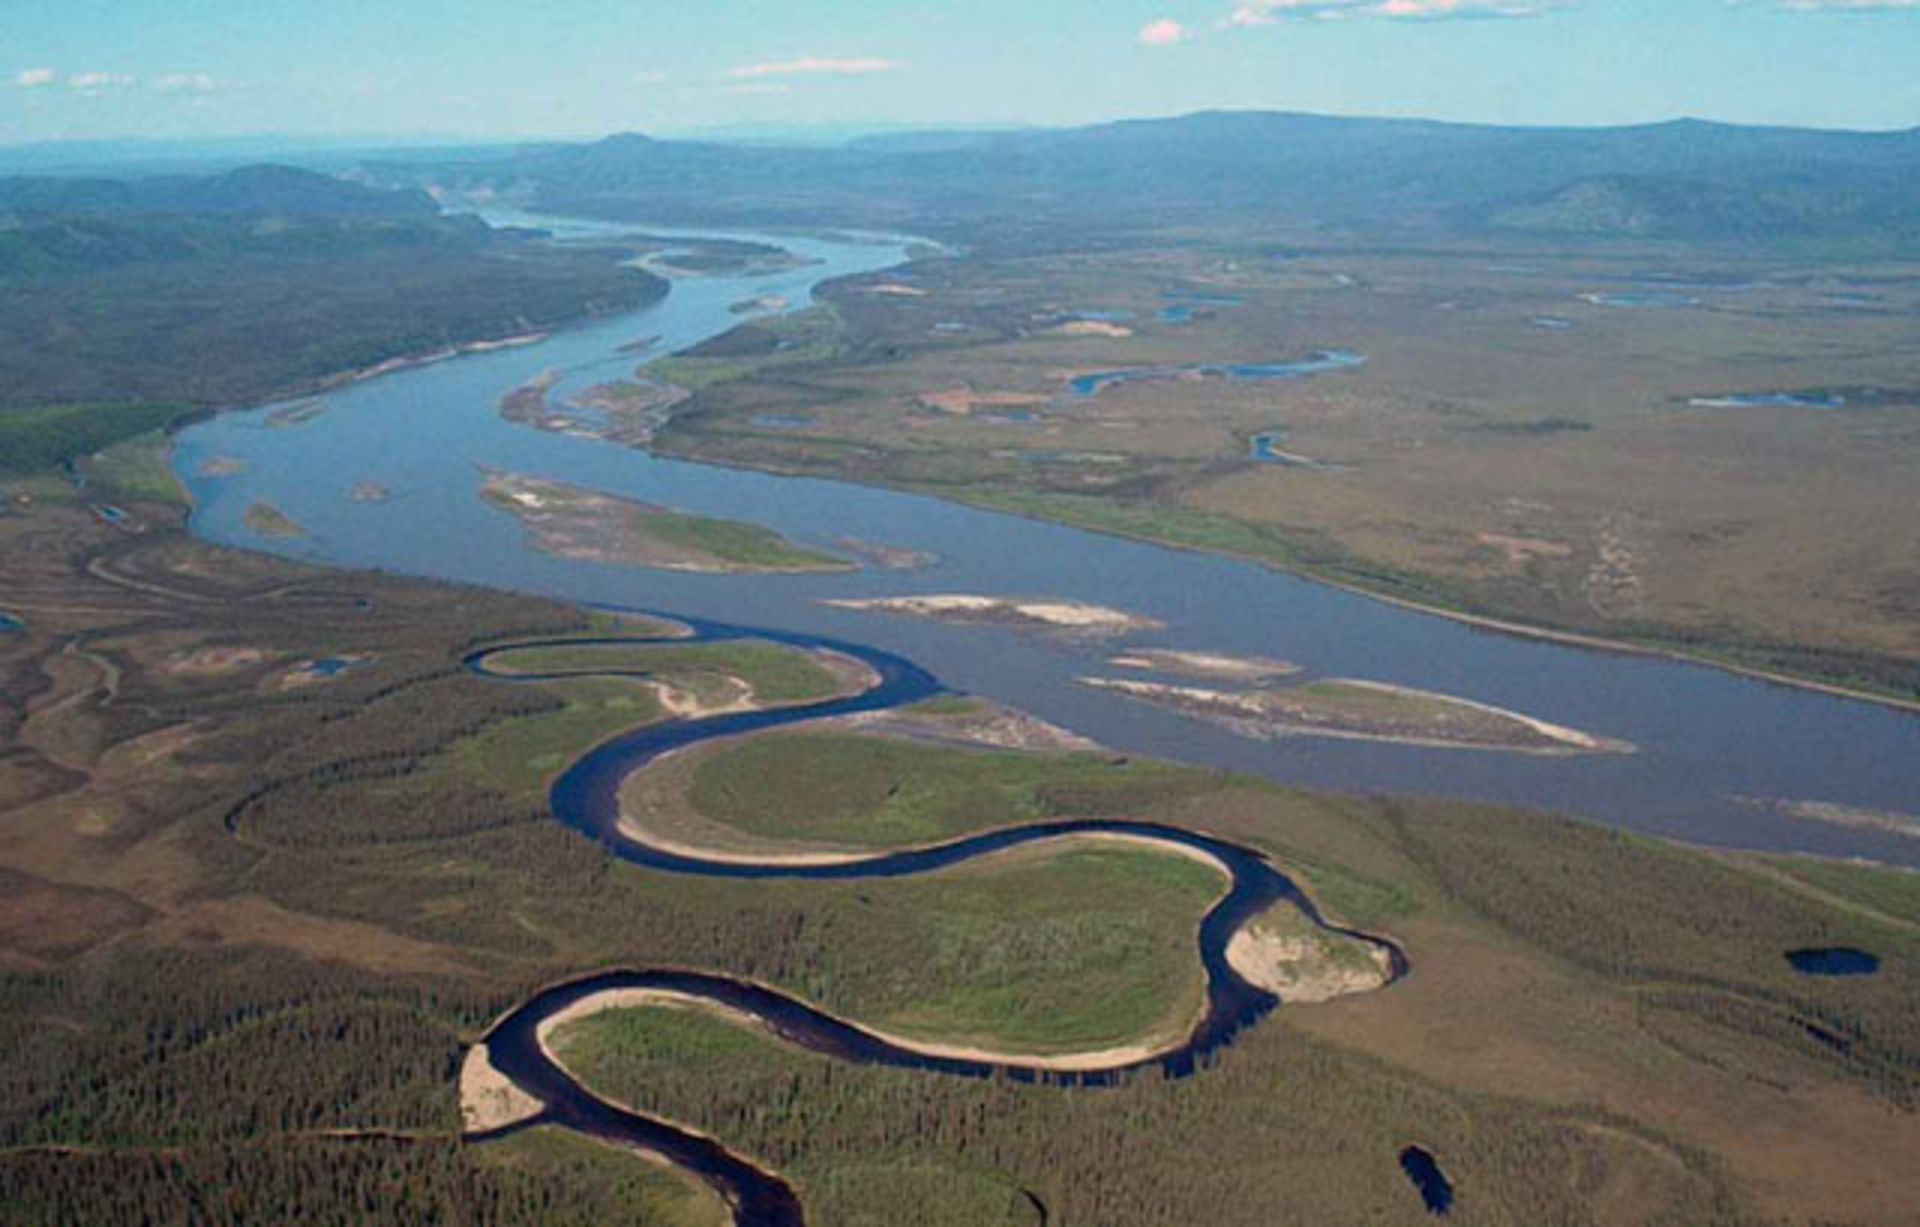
<point x="1423" y="1170"/>
<point x="1707" y="739"/>
<point x="1319" y="364"/>
<point x="11" y="624"/>
<point x="1833" y="961"/>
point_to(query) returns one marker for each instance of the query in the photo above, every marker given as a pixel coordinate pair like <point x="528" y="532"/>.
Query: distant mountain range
<point x="266" y="189"/>
<point x="1686" y="180"/>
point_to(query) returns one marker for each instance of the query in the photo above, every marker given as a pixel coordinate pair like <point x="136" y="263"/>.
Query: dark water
<point x="586" y="799"/>
<point x="10" y="624"/>
<point x="1833" y="961"/>
<point x="1436" y="1191"/>
<point x="1319" y="364"/>
<point x="1707" y="738"/>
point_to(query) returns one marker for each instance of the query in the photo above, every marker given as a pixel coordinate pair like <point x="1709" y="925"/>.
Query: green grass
<point x="1077" y="950"/>
<point x="814" y="334"/>
<point x="777" y="674"/>
<point x="1894" y="892"/>
<point x="874" y="792"/>
<point x="657" y="1056"/>
<point x="45" y="436"/>
<point x="518" y="757"/>
<point x="1054" y="950"/>
<point x="138" y="468"/>
<point x="632" y="1188"/>
<point x="735" y="543"/>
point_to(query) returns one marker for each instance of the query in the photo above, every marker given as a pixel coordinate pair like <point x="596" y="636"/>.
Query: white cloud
<point x="814" y="66"/>
<point x="185" y="83"/>
<point x="34" y="78"/>
<point x="1163" y="33"/>
<point x="1270" y="12"/>
<point x="94" y="82"/>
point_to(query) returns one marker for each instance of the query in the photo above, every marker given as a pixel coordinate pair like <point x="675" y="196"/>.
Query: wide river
<point x="1709" y="742"/>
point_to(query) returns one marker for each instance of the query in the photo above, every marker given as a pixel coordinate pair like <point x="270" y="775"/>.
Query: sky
<point x="92" y="69"/>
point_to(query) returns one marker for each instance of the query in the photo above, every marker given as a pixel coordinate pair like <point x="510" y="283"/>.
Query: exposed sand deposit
<point x="1008" y="611"/>
<point x="1306" y="968"/>
<point x="487" y="1099"/>
<point x="1204" y="664"/>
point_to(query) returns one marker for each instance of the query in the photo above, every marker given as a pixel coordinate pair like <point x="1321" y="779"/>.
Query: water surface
<point x="1707" y="738"/>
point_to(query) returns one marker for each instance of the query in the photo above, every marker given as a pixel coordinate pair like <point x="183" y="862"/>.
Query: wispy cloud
<point x="94" y="82"/>
<point x="814" y="66"/>
<point x="1271" y="12"/>
<point x="185" y="83"/>
<point x="34" y="78"/>
<point x="1163" y="33"/>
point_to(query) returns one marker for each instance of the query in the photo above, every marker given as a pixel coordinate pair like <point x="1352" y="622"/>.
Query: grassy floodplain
<point x="215" y="871"/>
<point x="1599" y="479"/>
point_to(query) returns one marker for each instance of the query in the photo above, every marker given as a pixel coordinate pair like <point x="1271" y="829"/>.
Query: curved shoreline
<point x="586" y="798"/>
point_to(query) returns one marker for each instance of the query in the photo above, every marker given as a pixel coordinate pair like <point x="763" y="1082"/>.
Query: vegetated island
<point x="571" y="522"/>
<point x="1038" y="613"/>
<point x="270" y="521"/>
<point x="624" y="411"/>
<point x="1204" y="664"/>
<point x="1367" y="711"/>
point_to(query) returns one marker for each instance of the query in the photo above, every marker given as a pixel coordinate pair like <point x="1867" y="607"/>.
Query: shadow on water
<point x="586" y="798"/>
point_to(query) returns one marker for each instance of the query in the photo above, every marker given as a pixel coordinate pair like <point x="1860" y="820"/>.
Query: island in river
<point x="570" y="521"/>
<point x="1367" y="711"/>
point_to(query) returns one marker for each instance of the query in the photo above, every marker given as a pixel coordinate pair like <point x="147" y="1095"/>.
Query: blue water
<point x="1266" y="449"/>
<point x="783" y="421"/>
<point x="1552" y="323"/>
<point x="11" y="624"/>
<point x="1436" y="1191"/>
<point x="1707" y="738"/>
<point x="1833" y="961"/>
<point x="1319" y="364"/>
<point x="1176" y="315"/>
<point x="334" y="666"/>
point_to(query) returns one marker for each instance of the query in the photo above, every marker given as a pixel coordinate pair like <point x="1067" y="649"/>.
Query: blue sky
<point x="102" y="68"/>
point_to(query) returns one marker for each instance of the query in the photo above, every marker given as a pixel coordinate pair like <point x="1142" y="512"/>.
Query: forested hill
<point x="205" y="292"/>
<point x="1686" y="179"/>
<point x="265" y="189"/>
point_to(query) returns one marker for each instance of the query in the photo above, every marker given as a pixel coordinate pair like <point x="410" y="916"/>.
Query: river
<point x="1708" y="740"/>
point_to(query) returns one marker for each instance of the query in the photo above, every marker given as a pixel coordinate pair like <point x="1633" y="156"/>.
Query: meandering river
<point x="587" y="798"/>
<point x="1710" y="742"/>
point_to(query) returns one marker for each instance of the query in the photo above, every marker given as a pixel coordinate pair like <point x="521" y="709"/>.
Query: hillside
<point x="1685" y="179"/>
